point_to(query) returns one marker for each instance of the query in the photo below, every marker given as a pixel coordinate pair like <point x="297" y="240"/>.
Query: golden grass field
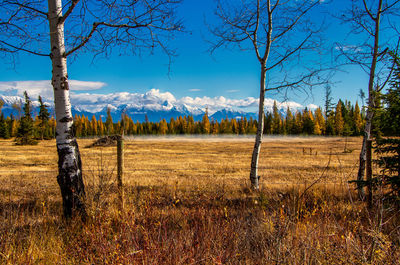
<point x="188" y="202"/>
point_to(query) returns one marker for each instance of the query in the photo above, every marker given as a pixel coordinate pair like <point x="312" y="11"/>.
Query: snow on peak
<point x="152" y="100"/>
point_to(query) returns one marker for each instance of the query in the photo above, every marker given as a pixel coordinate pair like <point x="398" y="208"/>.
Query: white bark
<point x="254" y="177"/>
<point x="69" y="164"/>
<point x="371" y="100"/>
<point x="363" y="153"/>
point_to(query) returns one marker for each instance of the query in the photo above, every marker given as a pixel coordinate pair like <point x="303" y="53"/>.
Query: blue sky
<point x="232" y="74"/>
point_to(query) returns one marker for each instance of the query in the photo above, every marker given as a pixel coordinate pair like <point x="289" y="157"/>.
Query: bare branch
<point x="69" y="11"/>
<point x="295" y="21"/>
<point x="392" y="68"/>
<point x="26" y="7"/>
<point x="390" y="6"/>
<point x="269" y="32"/>
<point x="84" y="41"/>
<point x="368" y="11"/>
<point x="16" y="49"/>
<point x="305" y="80"/>
<point x="254" y="38"/>
<point x="289" y="53"/>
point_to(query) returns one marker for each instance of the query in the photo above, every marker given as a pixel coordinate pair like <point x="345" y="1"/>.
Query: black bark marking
<point x="71" y="182"/>
<point x="64" y="83"/>
<point x="70" y="134"/>
<point x="66" y="119"/>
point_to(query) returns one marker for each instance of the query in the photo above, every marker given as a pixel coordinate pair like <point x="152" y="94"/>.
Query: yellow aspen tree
<point x="319" y="122"/>
<point x="235" y="126"/>
<point x="215" y="128"/>
<point x="163" y="127"/>
<point x="205" y="124"/>
<point x="93" y="126"/>
<point x="171" y="127"/>
<point x="358" y="122"/>
<point x="78" y="126"/>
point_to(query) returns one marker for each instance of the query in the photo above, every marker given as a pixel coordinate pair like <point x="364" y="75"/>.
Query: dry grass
<point x="188" y="202"/>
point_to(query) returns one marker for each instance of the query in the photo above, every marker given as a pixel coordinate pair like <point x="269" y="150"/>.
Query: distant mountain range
<point x="137" y="114"/>
<point x="155" y="105"/>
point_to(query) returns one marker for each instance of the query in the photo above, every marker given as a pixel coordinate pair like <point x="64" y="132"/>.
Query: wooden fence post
<point x="369" y="173"/>
<point x="120" y="170"/>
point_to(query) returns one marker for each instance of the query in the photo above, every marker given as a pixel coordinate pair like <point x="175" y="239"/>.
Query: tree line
<point x="344" y="119"/>
<point x="27" y="128"/>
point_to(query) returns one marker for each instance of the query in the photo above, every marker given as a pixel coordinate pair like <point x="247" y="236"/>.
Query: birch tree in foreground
<point x="282" y="35"/>
<point x="374" y="24"/>
<point x="59" y="29"/>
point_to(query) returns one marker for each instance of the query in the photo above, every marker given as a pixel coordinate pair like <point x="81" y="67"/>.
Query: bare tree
<point x="281" y="34"/>
<point x="59" y="30"/>
<point x="373" y="22"/>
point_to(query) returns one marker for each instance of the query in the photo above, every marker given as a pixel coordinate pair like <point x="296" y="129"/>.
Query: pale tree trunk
<point x="371" y="103"/>
<point x="254" y="177"/>
<point x="363" y="153"/>
<point x="69" y="161"/>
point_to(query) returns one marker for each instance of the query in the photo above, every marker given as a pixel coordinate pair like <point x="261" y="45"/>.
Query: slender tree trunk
<point x="371" y="103"/>
<point x="69" y="161"/>
<point x="120" y="170"/>
<point x="369" y="173"/>
<point x="363" y="153"/>
<point x="254" y="178"/>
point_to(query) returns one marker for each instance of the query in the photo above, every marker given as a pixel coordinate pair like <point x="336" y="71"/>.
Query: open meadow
<point x="187" y="201"/>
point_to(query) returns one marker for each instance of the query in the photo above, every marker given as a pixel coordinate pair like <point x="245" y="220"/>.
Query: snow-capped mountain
<point x="155" y="105"/>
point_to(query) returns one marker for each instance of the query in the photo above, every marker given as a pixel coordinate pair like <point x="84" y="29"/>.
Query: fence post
<point x="120" y="170"/>
<point x="369" y="173"/>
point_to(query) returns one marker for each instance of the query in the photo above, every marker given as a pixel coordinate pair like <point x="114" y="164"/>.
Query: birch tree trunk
<point x="254" y="178"/>
<point x="371" y="102"/>
<point x="69" y="161"/>
<point x="363" y="153"/>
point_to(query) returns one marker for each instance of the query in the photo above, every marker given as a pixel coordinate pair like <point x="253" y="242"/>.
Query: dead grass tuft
<point x="188" y="202"/>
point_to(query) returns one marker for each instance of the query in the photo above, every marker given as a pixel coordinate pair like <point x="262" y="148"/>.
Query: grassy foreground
<point x="187" y="202"/>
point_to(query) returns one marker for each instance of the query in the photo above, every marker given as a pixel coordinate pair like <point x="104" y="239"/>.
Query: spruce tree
<point x="308" y="123"/>
<point x="4" y="130"/>
<point x="25" y="132"/>
<point x="388" y="146"/>
<point x="3" y="124"/>
<point x="339" y="121"/>
<point x="276" y="119"/>
<point x="289" y="121"/>
<point x="358" y="122"/>
<point x="44" y="117"/>
<point x="1" y="104"/>
<point x="328" y="101"/>
<point x="268" y="123"/>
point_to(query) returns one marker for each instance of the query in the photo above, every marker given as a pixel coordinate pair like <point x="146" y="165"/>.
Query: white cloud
<point x="43" y="87"/>
<point x="153" y="99"/>
<point x="77" y="85"/>
<point x="312" y="106"/>
<point x="346" y="48"/>
<point x="156" y="100"/>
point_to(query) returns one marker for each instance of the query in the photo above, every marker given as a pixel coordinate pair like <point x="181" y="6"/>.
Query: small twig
<point x="318" y="179"/>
